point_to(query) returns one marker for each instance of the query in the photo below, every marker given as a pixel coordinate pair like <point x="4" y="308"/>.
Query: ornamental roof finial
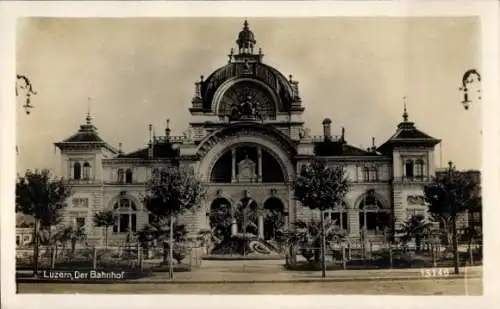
<point x="405" y="112"/>
<point x="88" y="119"/>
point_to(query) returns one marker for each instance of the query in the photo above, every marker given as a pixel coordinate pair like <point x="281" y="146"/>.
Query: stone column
<point x="234" y="227"/>
<point x="261" y="225"/>
<point x="233" y="165"/>
<point x="259" y="164"/>
<point x="353" y="222"/>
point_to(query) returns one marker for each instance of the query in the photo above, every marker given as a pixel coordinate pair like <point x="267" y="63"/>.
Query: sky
<point x="355" y="71"/>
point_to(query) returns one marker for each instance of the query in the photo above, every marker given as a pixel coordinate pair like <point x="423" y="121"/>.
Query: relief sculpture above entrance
<point x="246" y="170"/>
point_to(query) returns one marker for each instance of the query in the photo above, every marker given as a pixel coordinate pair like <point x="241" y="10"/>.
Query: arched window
<point x="246" y="215"/>
<point x="419" y="168"/>
<point x="338" y="215"/>
<point x="373" y="174"/>
<point x="77" y="171"/>
<point x="373" y="217"/>
<point x="409" y="168"/>
<point x="121" y="175"/>
<point x="128" y="176"/>
<point x="86" y="170"/>
<point x="127" y="216"/>
<point x="220" y="217"/>
<point x="366" y="174"/>
<point x="274" y="218"/>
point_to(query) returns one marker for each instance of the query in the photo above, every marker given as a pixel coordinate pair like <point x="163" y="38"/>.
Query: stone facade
<point x="246" y="138"/>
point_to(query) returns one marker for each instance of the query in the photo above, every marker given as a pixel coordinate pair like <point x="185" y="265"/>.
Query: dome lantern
<point x="246" y="40"/>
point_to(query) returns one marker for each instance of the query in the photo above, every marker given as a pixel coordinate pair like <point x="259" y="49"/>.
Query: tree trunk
<point x="323" y="247"/>
<point x="171" y="249"/>
<point x="469" y="248"/>
<point x="455" y="245"/>
<point x="36" y="247"/>
<point x="51" y="249"/>
<point x="106" y="237"/>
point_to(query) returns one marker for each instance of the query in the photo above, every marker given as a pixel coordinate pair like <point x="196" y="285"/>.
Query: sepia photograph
<point x="332" y="155"/>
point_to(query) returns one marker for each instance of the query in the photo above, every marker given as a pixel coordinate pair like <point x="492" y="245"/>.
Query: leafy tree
<point x="171" y="192"/>
<point x="448" y="195"/>
<point x="105" y="219"/>
<point x="321" y="187"/>
<point x="76" y="235"/>
<point x="416" y="227"/>
<point x="160" y="231"/>
<point x="43" y="197"/>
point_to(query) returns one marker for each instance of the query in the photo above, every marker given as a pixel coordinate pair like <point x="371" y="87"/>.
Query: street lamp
<point x="23" y="83"/>
<point x="453" y="211"/>
<point x="470" y="77"/>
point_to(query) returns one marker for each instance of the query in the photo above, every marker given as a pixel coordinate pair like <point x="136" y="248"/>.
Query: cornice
<point x="350" y="159"/>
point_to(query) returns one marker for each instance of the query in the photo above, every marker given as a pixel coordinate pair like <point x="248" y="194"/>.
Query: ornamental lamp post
<point x="23" y="83"/>
<point x="470" y="77"/>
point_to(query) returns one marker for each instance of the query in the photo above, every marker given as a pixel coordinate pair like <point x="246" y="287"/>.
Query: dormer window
<point x="77" y="171"/>
<point x="86" y="170"/>
<point x="128" y="176"/>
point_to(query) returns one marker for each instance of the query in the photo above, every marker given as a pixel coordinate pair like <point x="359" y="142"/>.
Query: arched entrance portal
<point x="247" y="216"/>
<point x="221" y="217"/>
<point x="247" y="164"/>
<point x="374" y="217"/>
<point x="274" y="218"/>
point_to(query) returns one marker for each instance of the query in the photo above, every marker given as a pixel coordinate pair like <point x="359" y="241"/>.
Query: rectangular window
<point x="151" y="218"/>
<point x="124" y="220"/>
<point x="340" y="219"/>
<point x="79" y="202"/>
<point x="26" y="239"/>
<point x="80" y="223"/>
<point x="134" y="222"/>
<point x="18" y="240"/>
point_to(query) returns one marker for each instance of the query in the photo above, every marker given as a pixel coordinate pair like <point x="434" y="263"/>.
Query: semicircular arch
<point x="234" y="81"/>
<point x="377" y="196"/>
<point x="130" y="197"/>
<point x="211" y="155"/>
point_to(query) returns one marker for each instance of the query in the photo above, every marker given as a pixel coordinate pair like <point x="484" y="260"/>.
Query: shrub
<point x="179" y="252"/>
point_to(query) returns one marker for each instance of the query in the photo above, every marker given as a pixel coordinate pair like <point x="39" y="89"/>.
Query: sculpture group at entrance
<point x="245" y="229"/>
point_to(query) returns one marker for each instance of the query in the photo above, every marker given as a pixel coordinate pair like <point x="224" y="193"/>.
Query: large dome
<point x="261" y="72"/>
<point x="278" y="94"/>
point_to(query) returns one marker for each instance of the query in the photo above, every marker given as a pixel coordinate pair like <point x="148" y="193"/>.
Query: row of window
<point x="376" y="221"/>
<point x="81" y="171"/>
<point x="414" y="168"/>
<point x="125" y="176"/>
<point x="22" y="240"/>
<point x="370" y="174"/>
